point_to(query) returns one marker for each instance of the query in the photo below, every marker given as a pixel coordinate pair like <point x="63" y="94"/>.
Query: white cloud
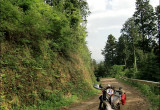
<point x="97" y="5"/>
<point x="123" y="4"/>
<point x="154" y="3"/>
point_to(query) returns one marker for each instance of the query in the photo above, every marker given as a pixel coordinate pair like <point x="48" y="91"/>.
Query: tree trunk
<point x="159" y="37"/>
<point x="135" y="59"/>
<point x="0" y="50"/>
<point x="142" y="30"/>
<point x="0" y="54"/>
<point x="125" y="63"/>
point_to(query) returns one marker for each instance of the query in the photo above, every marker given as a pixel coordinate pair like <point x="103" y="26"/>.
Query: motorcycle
<point x="110" y="97"/>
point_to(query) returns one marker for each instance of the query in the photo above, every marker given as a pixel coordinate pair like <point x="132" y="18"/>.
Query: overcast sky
<point x="107" y="17"/>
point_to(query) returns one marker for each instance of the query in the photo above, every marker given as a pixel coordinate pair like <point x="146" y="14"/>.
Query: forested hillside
<point x="136" y="53"/>
<point x="44" y="60"/>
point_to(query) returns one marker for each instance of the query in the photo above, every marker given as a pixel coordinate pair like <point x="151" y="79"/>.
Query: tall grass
<point x="151" y="92"/>
<point x="54" y="103"/>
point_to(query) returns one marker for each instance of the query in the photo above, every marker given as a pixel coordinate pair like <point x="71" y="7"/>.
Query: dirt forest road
<point x="135" y="100"/>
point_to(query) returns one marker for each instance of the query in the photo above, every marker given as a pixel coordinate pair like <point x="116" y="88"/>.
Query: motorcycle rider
<point x="103" y="97"/>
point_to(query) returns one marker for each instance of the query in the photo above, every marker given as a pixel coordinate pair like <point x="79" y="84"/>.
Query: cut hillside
<point x="28" y="81"/>
<point x="44" y="60"/>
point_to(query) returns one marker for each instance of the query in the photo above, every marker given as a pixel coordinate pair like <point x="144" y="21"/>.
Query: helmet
<point x="108" y="85"/>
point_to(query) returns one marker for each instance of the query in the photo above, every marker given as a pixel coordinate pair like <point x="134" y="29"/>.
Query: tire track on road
<point x="135" y="100"/>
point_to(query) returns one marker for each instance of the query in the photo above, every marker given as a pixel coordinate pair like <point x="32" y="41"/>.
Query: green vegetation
<point x="136" y="54"/>
<point x="44" y="60"/>
<point x="151" y="92"/>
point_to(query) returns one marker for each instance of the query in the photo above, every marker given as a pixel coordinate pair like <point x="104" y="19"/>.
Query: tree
<point x="122" y="50"/>
<point x="109" y="51"/>
<point x="137" y="47"/>
<point x="158" y="28"/>
<point x="131" y="31"/>
<point x="149" y="69"/>
<point x="101" y="70"/>
<point x="145" y="19"/>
